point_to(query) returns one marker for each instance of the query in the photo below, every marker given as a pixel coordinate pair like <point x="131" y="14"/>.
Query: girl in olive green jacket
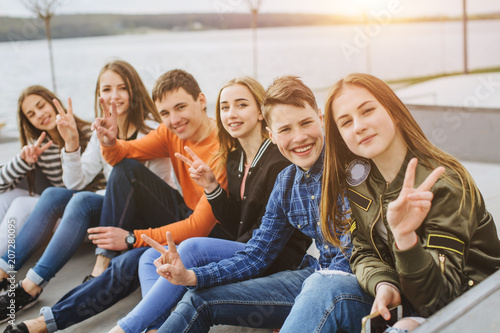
<point x="419" y="225"/>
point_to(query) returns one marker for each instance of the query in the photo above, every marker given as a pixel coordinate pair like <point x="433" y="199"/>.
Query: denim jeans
<point x="315" y="302"/>
<point x="136" y="198"/>
<point x="96" y="295"/>
<point x="38" y="227"/>
<point x="78" y="211"/>
<point x="82" y="211"/>
<point x="154" y="309"/>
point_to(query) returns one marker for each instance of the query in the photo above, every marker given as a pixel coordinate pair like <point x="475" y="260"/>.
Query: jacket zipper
<point x="442" y="259"/>
<point x="380" y="214"/>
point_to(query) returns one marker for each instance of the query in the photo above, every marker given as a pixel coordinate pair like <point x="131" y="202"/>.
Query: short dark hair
<point x="173" y="80"/>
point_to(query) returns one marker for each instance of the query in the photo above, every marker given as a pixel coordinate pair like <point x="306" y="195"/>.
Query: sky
<point x="402" y="8"/>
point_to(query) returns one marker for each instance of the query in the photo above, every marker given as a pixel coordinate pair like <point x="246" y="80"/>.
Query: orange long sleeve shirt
<point x="163" y="143"/>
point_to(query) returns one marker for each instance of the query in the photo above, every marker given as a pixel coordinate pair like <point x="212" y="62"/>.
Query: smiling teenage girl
<point x="253" y="164"/>
<point x="118" y="82"/>
<point x="420" y="229"/>
<point x="41" y="142"/>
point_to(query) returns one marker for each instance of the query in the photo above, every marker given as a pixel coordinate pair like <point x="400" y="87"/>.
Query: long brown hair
<point x="338" y="155"/>
<point x="141" y="105"/>
<point x="226" y="142"/>
<point x="28" y="133"/>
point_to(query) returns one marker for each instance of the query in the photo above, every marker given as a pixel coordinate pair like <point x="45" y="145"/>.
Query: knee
<point x="328" y="287"/>
<point x="55" y="193"/>
<point x="148" y="257"/>
<point x="189" y="250"/>
<point x="84" y="201"/>
<point x="125" y="167"/>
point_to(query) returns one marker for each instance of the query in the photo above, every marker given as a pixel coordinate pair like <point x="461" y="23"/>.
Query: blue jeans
<point x="96" y="295"/>
<point x="136" y="198"/>
<point x="159" y="295"/>
<point x="78" y="211"/>
<point x="83" y="211"/>
<point x="323" y="303"/>
<point x="38" y="227"/>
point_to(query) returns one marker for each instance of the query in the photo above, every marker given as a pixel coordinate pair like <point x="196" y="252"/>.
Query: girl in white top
<point x="118" y="83"/>
<point x="41" y="145"/>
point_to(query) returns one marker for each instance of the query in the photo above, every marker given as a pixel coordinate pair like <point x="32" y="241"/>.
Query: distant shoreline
<point x="94" y="25"/>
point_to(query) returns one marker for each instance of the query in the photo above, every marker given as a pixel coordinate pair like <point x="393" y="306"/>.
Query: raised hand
<point x="66" y="125"/>
<point x="31" y="153"/>
<point x="107" y="129"/>
<point x="200" y="172"/>
<point x="169" y="265"/>
<point x="108" y="238"/>
<point x="408" y="211"/>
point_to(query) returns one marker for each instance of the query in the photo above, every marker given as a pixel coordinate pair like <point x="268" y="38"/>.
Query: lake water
<point x="320" y="55"/>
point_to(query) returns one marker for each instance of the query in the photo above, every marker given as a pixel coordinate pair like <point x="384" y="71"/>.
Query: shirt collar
<point x="315" y="172"/>
<point x="260" y="152"/>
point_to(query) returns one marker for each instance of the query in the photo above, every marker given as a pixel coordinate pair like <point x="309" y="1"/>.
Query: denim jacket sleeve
<point x="260" y="251"/>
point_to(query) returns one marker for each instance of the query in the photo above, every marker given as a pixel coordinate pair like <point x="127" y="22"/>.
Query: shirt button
<point x="244" y="197"/>
<point x="326" y="247"/>
<point x="471" y="283"/>
<point x="307" y="176"/>
<point x="299" y="226"/>
<point x="249" y="173"/>
<point x="319" y="224"/>
<point x="312" y="197"/>
<point x="241" y="222"/>
<point x="239" y="175"/>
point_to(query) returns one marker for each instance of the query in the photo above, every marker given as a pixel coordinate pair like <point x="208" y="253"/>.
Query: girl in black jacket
<point x="253" y="162"/>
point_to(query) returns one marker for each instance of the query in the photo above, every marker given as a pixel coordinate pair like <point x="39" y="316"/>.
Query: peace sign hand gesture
<point x="408" y="211"/>
<point x="200" y="172"/>
<point x="31" y="153"/>
<point x="169" y="265"/>
<point x="107" y="129"/>
<point x="66" y="125"/>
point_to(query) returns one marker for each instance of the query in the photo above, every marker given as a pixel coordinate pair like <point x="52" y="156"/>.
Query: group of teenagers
<point x="213" y="218"/>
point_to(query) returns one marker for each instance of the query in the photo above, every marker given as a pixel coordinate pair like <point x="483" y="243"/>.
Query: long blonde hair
<point x="338" y="155"/>
<point x="226" y="142"/>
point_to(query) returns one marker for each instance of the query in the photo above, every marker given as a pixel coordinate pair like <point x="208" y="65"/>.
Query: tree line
<point x="74" y="26"/>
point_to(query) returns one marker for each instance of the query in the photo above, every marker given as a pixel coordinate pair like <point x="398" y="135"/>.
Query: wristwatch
<point x="130" y="240"/>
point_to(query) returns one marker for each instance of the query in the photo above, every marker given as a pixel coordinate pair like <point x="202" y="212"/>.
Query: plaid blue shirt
<point x="294" y="203"/>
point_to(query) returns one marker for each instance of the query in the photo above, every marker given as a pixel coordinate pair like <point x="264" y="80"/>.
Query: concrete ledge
<point x="474" y="311"/>
<point x="469" y="134"/>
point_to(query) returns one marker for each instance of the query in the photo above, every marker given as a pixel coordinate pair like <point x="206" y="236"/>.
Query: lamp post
<point x="464" y="20"/>
<point x="254" y="9"/>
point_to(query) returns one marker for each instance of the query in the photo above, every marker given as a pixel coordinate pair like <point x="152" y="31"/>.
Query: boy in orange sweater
<point x="137" y="203"/>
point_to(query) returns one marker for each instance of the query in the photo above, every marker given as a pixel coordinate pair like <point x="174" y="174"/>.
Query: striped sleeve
<point x="50" y="164"/>
<point x="12" y="172"/>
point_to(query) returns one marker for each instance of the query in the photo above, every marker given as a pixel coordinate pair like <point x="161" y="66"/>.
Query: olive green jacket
<point x="456" y="250"/>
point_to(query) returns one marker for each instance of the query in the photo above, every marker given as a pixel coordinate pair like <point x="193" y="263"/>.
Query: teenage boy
<point x="136" y="193"/>
<point x="328" y="300"/>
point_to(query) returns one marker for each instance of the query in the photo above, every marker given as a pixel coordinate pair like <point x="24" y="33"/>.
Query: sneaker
<point x="13" y="328"/>
<point x="22" y="300"/>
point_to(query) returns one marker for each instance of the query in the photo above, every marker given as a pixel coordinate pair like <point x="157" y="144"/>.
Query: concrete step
<point x="474" y="311"/>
